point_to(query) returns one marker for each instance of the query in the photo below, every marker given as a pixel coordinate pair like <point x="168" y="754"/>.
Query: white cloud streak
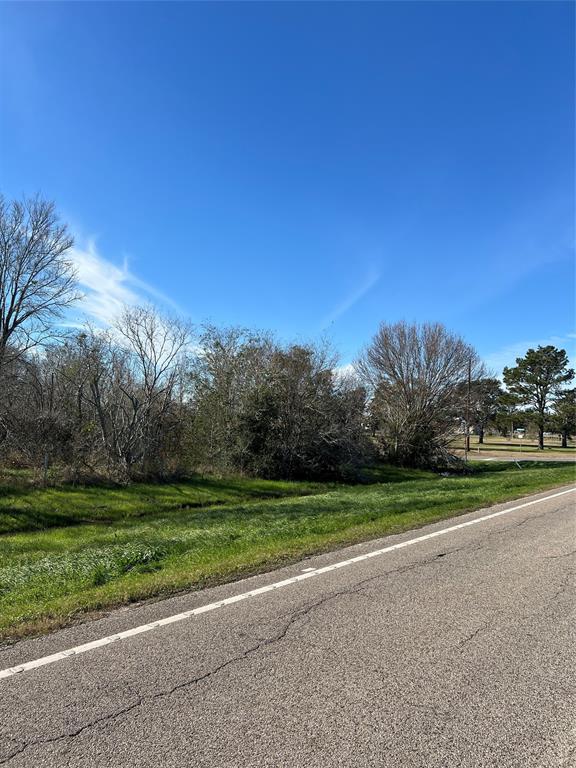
<point x="353" y="298"/>
<point x="107" y="288"/>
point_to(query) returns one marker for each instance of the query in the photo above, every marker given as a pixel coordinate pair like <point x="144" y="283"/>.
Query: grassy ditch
<point x="68" y="551"/>
<point x="26" y="508"/>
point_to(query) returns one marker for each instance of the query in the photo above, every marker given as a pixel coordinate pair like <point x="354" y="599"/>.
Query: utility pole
<point x="469" y="389"/>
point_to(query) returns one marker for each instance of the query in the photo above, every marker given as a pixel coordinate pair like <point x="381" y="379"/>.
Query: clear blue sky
<point x="306" y="167"/>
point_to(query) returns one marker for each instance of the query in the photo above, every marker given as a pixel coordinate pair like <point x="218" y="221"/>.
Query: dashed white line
<point x="307" y="574"/>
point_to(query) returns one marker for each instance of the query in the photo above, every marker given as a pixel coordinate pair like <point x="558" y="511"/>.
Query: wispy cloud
<point x="506" y="356"/>
<point x="107" y="287"/>
<point x="353" y="298"/>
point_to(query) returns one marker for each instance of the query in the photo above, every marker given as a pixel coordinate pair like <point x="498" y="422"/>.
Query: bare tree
<point x="129" y="380"/>
<point x="416" y="375"/>
<point x="37" y="280"/>
<point x="107" y="402"/>
<point x="154" y="350"/>
<point x="35" y="423"/>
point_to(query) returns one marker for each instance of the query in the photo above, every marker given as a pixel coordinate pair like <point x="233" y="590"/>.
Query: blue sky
<point x="306" y="167"/>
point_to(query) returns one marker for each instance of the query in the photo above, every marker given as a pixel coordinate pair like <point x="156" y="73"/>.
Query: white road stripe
<point x="42" y="662"/>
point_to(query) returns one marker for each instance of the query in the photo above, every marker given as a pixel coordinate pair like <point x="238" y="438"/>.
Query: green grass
<point x="24" y="508"/>
<point x="147" y="545"/>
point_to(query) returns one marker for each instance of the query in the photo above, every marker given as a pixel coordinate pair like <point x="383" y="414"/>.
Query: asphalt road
<point x="457" y="650"/>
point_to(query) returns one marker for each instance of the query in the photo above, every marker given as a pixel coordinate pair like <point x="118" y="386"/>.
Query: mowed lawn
<point x="517" y="445"/>
<point x="65" y="551"/>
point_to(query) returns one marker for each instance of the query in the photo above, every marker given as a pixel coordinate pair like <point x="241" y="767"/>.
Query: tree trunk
<point x="541" y="438"/>
<point x="564" y="439"/>
<point x="480" y="435"/>
<point x="45" y="474"/>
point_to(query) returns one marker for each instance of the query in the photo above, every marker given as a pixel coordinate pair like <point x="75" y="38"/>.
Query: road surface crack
<point x="161" y="694"/>
<point x="518" y="524"/>
<point x="292" y="619"/>
<point x="485" y="627"/>
<point x="557" y="557"/>
<point x="567" y="584"/>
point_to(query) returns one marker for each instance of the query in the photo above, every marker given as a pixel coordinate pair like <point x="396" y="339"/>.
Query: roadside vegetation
<point x="152" y="456"/>
<point x="142" y="542"/>
<point x="153" y="398"/>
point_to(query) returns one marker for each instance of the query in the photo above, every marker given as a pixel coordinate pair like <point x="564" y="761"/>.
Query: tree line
<point x="151" y="396"/>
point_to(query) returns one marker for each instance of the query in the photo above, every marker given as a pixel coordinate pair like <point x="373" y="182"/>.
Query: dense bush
<point x="141" y="401"/>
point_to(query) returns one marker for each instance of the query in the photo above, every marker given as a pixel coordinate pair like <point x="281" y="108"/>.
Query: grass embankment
<point x="26" y="508"/>
<point x="103" y="547"/>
